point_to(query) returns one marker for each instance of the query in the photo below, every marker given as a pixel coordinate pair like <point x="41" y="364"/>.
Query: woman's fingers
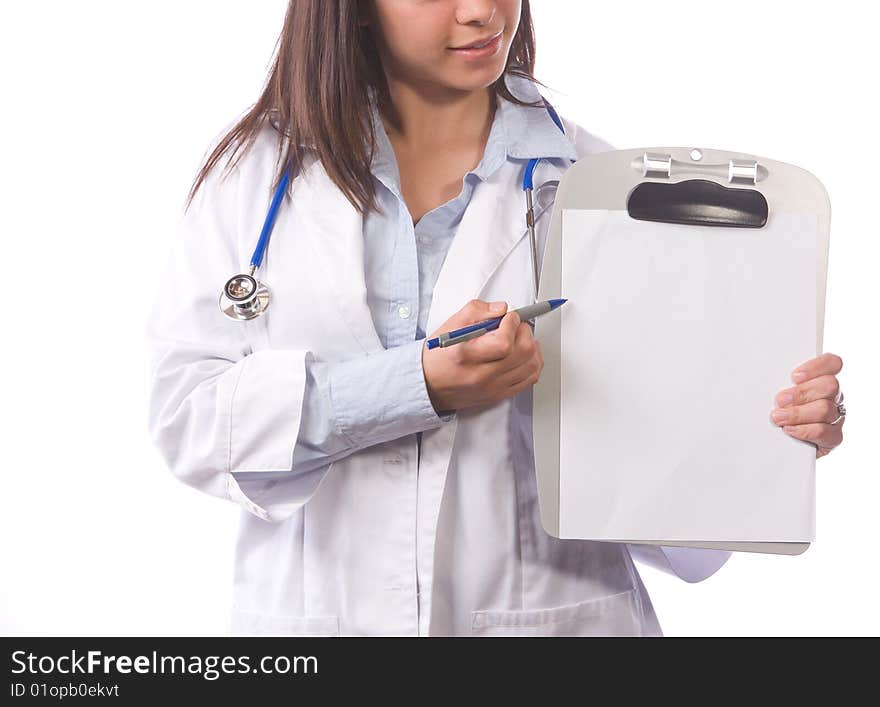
<point x="807" y="410"/>
<point x="522" y="367"/>
<point x="494" y="345"/>
<point x="525" y="374"/>
<point x="815" y="411"/>
<point x="826" y="364"/>
<point x="825" y="386"/>
<point x="811" y="422"/>
<point x="524" y="348"/>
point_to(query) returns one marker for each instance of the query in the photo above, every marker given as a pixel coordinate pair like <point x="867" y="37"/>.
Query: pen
<point x="456" y="336"/>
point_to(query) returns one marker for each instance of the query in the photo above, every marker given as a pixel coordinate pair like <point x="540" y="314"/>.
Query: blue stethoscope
<point x="244" y="297"/>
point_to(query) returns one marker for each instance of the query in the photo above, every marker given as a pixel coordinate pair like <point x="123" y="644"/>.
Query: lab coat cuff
<point x="383" y="395"/>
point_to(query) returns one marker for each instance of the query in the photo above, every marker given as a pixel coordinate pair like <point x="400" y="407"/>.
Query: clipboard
<point x="680" y="188"/>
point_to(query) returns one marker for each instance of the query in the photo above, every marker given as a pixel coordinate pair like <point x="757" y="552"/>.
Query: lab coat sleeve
<point x="690" y="564"/>
<point x="215" y="406"/>
<point x="236" y="423"/>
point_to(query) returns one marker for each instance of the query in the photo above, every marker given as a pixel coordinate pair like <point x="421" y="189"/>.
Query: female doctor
<point x="388" y="489"/>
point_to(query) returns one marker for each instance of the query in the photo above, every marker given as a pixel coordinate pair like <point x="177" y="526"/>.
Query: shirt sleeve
<point x="349" y="405"/>
<point x="692" y="564"/>
<point x="218" y="410"/>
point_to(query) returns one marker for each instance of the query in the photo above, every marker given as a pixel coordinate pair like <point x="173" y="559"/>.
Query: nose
<point x="475" y="12"/>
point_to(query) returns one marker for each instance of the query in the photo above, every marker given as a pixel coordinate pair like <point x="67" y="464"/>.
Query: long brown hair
<point x="324" y="63"/>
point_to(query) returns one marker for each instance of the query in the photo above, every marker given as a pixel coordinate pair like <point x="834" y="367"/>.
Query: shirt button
<point x="403" y="311"/>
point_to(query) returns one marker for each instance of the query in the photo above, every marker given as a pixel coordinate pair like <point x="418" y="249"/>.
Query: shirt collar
<point x="531" y="131"/>
<point x="518" y="132"/>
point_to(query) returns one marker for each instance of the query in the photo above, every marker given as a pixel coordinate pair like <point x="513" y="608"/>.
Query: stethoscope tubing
<point x="269" y="223"/>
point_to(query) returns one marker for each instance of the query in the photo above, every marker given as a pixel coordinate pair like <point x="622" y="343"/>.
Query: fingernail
<point x="798" y="376"/>
<point x="779" y="416"/>
<point x="496" y="306"/>
<point x="785" y="399"/>
<point x="788" y="430"/>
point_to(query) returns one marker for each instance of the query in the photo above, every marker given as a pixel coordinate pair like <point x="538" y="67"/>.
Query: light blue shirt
<point x="353" y="404"/>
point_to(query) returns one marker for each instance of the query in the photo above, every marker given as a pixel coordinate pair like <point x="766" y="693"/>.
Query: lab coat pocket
<point x="612" y="615"/>
<point x="249" y="623"/>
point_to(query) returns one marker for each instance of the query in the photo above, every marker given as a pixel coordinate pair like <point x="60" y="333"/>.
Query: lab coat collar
<point x="491" y="227"/>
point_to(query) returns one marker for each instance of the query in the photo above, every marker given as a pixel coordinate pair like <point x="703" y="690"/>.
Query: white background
<point x="107" y="109"/>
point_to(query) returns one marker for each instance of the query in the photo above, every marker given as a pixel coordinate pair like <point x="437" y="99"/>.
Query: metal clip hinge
<point x="740" y="172"/>
<point x="656" y="166"/>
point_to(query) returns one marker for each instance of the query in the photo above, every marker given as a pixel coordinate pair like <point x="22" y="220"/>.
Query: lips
<point x="480" y="42"/>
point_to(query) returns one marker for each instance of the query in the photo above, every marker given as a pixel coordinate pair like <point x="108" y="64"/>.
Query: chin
<point x="475" y="80"/>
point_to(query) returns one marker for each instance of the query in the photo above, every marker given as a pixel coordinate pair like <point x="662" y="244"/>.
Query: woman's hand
<point x="808" y="411"/>
<point x="484" y="370"/>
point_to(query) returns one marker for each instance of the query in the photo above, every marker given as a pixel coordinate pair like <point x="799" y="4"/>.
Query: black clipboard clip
<point x="699" y="202"/>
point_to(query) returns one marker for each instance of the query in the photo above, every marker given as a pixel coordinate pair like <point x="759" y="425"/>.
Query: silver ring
<point x="841" y="409"/>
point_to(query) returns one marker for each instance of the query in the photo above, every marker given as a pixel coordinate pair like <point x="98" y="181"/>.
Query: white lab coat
<point x="343" y="550"/>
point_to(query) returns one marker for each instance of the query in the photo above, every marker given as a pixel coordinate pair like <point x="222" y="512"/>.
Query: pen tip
<point x="554" y="303"/>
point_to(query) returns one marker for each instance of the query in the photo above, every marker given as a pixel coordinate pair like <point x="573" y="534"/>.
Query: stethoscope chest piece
<point x="244" y="297"/>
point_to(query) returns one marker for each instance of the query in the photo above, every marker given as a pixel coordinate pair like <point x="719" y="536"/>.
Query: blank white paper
<point x="675" y="341"/>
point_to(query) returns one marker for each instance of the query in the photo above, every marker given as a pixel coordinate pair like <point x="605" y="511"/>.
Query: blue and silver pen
<point x="456" y="336"/>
